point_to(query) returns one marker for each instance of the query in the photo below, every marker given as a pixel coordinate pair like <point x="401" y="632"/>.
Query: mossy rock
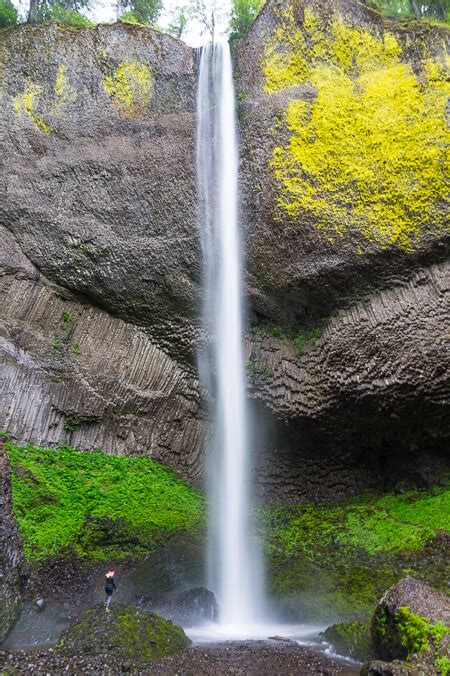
<point x="395" y="668"/>
<point x="411" y="623"/>
<point x="352" y="639"/>
<point x="125" y="632"/>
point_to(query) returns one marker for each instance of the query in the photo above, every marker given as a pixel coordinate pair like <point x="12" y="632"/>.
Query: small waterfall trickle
<point x="233" y="560"/>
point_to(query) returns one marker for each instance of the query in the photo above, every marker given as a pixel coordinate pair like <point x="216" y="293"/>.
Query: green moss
<point x="416" y="633"/>
<point x="130" y="88"/>
<point x="367" y="156"/>
<point x="125" y="633"/>
<point x="337" y="559"/>
<point x="256" y="371"/>
<point x="442" y="665"/>
<point x="301" y="336"/>
<point x="351" y="638"/>
<point x="94" y="506"/>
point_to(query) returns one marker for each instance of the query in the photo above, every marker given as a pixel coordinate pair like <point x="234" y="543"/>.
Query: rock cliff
<point x="342" y="121"/>
<point x="11" y="558"/>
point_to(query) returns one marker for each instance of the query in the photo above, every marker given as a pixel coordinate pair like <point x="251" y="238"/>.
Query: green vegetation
<point x="442" y="665"/>
<point x="145" y="12"/>
<point x="323" y="560"/>
<point x="404" y="9"/>
<point x="405" y="634"/>
<point x="351" y="638"/>
<point x="366" y="157"/>
<point x="301" y="336"/>
<point x="416" y="633"/>
<point x="129" y="17"/>
<point x="125" y="633"/>
<point x="256" y="371"/>
<point x="338" y="559"/>
<point x="8" y="14"/>
<point x="95" y="506"/>
<point x="242" y="15"/>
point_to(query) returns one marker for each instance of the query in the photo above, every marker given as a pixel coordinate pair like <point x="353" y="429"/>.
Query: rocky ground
<point x="240" y="657"/>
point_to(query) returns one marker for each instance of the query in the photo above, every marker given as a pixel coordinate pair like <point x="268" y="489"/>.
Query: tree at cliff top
<point x="66" y="11"/>
<point x="431" y="9"/>
<point x="8" y="14"/>
<point x="242" y="15"/>
<point x="144" y="11"/>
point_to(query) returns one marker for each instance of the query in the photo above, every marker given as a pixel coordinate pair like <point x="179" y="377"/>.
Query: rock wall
<point x="365" y="400"/>
<point x="99" y="157"/>
<point x="11" y="559"/>
<point x="73" y="374"/>
<point x="342" y="119"/>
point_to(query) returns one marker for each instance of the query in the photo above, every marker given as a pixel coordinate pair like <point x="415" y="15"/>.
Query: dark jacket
<point x="110" y="584"/>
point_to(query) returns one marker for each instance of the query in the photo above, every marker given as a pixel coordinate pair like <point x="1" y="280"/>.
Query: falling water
<point x="233" y="563"/>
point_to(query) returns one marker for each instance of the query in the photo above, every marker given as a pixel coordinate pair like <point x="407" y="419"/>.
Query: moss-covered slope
<point x="95" y="506"/>
<point x="323" y="560"/>
<point x="337" y="559"/>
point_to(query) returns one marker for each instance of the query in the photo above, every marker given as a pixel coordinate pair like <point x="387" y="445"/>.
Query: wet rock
<point x="11" y="556"/>
<point x="352" y="639"/>
<point x="411" y="631"/>
<point x="40" y="604"/>
<point x="124" y="632"/>
<point x="396" y="668"/>
<point x="194" y="607"/>
<point x="411" y="619"/>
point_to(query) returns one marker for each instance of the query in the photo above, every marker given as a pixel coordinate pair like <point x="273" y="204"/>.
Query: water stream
<point x="234" y="564"/>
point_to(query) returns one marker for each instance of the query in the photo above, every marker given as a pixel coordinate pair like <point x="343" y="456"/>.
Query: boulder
<point x="194" y="607"/>
<point x="40" y="604"/>
<point x="352" y="639"/>
<point x="395" y="668"/>
<point x="124" y="632"/>
<point x="412" y="623"/>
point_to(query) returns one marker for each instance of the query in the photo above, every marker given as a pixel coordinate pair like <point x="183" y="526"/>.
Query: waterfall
<point x="233" y="560"/>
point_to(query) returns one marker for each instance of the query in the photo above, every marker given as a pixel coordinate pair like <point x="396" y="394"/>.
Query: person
<point x="110" y="586"/>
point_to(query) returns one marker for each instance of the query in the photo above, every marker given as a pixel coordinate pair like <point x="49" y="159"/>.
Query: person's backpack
<point x="109" y="584"/>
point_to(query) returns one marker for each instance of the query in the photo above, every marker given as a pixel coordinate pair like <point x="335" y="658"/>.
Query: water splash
<point x="233" y="560"/>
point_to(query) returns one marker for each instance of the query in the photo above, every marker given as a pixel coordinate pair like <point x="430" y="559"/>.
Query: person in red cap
<point x="110" y="586"/>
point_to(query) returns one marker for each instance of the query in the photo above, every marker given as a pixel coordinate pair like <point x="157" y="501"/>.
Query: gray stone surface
<point x="100" y="192"/>
<point x="11" y="557"/>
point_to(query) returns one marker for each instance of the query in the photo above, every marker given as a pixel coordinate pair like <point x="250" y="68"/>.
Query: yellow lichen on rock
<point x="367" y="155"/>
<point x="25" y="104"/>
<point x="64" y="92"/>
<point x="130" y="88"/>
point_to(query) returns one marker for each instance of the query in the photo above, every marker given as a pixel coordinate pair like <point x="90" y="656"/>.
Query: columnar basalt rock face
<point x="11" y="559"/>
<point x="72" y="374"/>
<point x="364" y="396"/>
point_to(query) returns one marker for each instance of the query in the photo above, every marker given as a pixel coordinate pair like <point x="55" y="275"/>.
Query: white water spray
<point x="233" y="562"/>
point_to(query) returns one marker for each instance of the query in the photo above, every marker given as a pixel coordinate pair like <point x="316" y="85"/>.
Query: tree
<point x="66" y="11"/>
<point x="242" y="15"/>
<point x="431" y="9"/>
<point x="8" y="14"/>
<point x="145" y="11"/>
<point x="209" y="14"/>
<point x="179" y="21"/>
